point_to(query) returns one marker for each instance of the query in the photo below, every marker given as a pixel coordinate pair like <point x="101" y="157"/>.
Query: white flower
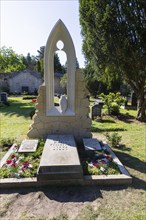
<point x="102" y="169"/>
<point x="90" y="164"/>
<point x="30" y="166"/>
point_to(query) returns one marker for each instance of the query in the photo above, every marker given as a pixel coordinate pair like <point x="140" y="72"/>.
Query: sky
<point x="26" y="25"/>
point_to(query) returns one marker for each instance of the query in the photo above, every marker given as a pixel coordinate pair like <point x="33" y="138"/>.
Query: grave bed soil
<point x="118" y="179"/>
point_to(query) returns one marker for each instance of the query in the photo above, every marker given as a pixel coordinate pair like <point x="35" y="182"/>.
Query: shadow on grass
<point x="62" y="193"/>
<point x="136" y="164"/>
<point x="132" y="162"/>
<point x="123" y="147"/>
<point x="129" y="107"/>
<point x="18" y="108"/>
<point x="107" y="121"/>
<point x="126" y="118"/>
<point x="95" y="129"/>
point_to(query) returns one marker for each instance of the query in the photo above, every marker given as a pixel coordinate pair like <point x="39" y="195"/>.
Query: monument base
<point x="60" y="160"/>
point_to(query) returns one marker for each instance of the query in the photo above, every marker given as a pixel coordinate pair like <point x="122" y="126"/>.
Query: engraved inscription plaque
<point x="28" y="146"/>
<point x="60" y="159"/>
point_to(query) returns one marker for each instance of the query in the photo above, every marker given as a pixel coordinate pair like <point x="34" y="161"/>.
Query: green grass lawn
<point x="15" y="119"/>
<point x="116" y="203"/>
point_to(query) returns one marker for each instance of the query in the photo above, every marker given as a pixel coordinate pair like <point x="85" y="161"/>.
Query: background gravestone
<point x="3" y="97"/>
<point x="97" y="109"/>
<point x="134" y="100"/>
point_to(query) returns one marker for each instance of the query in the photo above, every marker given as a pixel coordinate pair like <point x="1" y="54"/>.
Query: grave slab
<point x="60" y="159"/>
<point x="91" y="144"/>
<point x="28" y="146"/>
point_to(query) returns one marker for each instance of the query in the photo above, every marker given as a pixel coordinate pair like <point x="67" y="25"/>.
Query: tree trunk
<point x="141" y="108"/>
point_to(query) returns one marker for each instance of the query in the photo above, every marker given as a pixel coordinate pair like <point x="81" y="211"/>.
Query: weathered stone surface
<point x="28" y="146"/>
<point x="60" y="159"/>
<point x="91" y="144"/>
<point x="74" y="120"/>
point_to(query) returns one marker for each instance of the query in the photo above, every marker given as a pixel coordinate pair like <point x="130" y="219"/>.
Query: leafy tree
<point x="96" y="84"/>
<point x="30" y="62"/>
<point x="63" y="82"/>
<point x="10" y="61"/>
<point x="114" y="42"/>
<point x="57" y="64"/>
<point x="40" y="62"/>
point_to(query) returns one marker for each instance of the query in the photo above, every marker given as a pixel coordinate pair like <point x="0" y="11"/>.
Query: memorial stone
<point x="60" y="159"/>
<point x="3" y="97"/>
<point x="91" y="144"/>
<point x="28" y="146"/>
<point x="72" y="114"/>
<point x="133" y="99"/>
<point x="96" y="111"/>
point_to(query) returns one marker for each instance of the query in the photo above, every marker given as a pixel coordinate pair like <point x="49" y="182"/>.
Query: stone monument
<point x="72" y="114"/>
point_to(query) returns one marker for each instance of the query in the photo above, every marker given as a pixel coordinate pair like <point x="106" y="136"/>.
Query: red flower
<point x="34" y="100"/>
<point x="96" y="165"/>
<point x="9" y="161"/>
<point x="13" y="165"/>
<point x="12" y="156"/>
<point x="23" y="169"/>
<point x="103" y="162"/>
<point x="107" y="156"/>
<point x="26" y="164"/>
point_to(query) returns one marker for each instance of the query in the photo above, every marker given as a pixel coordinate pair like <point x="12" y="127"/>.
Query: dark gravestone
<point x="3" y="97"/>
<point x="133" y="100"/>
<point x="96" y="110"/>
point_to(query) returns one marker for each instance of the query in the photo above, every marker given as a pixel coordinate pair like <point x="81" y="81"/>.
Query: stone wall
<point x="24" y="79"/>
<point x="78" y="125"/>
<point x="14" y="82"/>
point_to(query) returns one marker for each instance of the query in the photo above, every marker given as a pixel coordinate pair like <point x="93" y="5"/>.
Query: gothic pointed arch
<point x="59" y="33"/>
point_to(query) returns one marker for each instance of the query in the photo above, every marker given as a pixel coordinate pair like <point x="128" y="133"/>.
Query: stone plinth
<point x="60" y="159"/>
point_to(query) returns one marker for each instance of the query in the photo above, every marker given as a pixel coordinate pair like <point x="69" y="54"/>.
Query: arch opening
<point x="60" y="43"/>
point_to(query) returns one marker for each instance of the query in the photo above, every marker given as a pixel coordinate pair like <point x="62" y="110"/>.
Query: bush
<point x="113" y="139"/>
<point x="112" y="102"/>
<point x="115" y="108"/>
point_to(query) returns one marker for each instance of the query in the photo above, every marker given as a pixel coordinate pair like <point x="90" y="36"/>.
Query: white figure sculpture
<point x="63" y="103"/>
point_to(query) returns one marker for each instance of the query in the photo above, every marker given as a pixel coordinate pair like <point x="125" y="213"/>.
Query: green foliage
<point x="40" y="62"/>
<point x="10" y="61"/>
<point x="4" y="172"/>
<point x="99" y="163"/>
<point x="113" y="139"/>
<point x="7" y="142"/>
<point x="30" y="62"/>
<point x="112" y="102"/>
<point x="63" y="82"/>
<point x="108" y="82"/>
<point x="57" y="64"/>
<point x="114" y="42"/>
